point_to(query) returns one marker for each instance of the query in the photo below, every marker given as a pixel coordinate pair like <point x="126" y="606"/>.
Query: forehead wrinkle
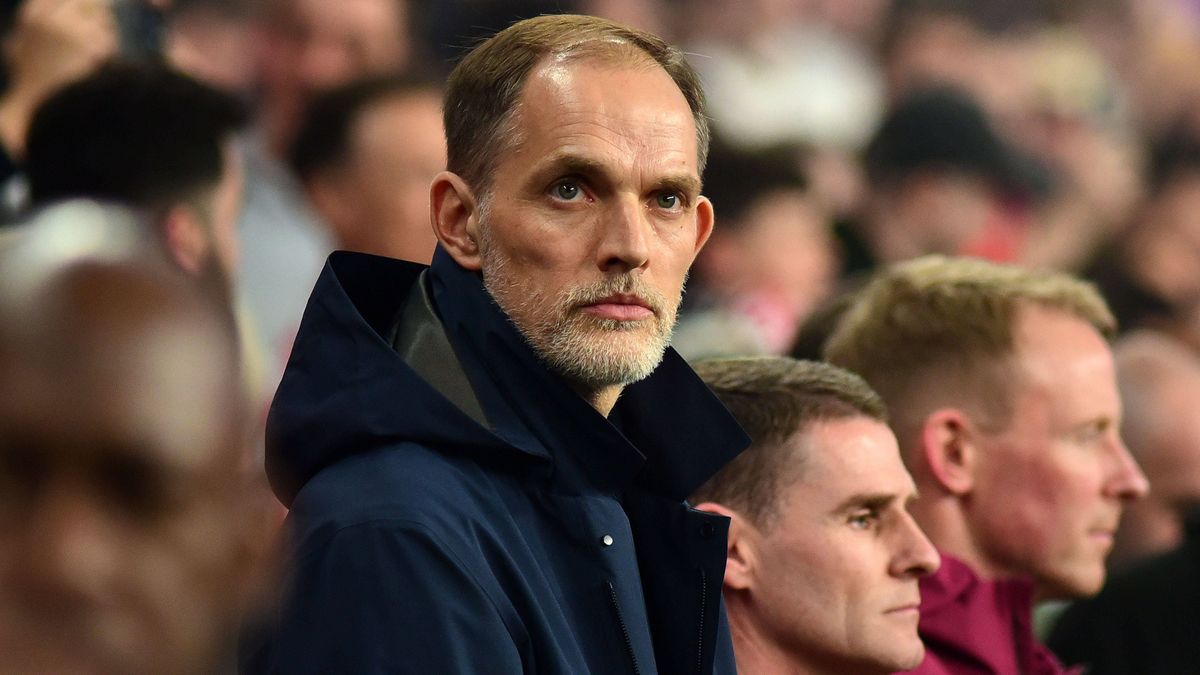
<point x="622" y="132"/>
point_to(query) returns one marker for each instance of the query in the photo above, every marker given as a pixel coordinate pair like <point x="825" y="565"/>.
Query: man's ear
<point x="950" y="443"/>
<point x="741" y="548"/>
<point x="186" y="238"/>
<point x="705" y="219"/>
<point x="454" y="213"/>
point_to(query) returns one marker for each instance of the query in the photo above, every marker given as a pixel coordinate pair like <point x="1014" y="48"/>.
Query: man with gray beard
<point x="487" y="460"/>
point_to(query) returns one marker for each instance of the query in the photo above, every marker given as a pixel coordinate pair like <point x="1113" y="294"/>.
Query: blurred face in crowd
<point x="1165" y="246"/>
<point x="122" y="508"/>
<point x="377" y="200"/>
<point x="311" y="45"/>
<point x="789" y="251"/>
<point x="594" y="218"/>
<point x="829" y="581"/>
<point x="1048" y="489"/>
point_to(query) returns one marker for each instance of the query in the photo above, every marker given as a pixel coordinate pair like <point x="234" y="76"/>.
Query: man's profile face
<point x="594" y="217"/>
<point x="1049" y="489"/>
<point x="120" y="503"/>
<point x="835" y="570"/>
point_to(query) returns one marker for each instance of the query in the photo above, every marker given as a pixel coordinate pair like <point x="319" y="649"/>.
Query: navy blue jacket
<point x="457" y="508"/>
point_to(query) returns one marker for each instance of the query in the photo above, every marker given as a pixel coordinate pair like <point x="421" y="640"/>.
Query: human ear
<point x="740" y="547"/>
<point x="949" y="443"/>
<point x="454" y="214"/>
<point x="705" y="219"/>
<point x="186" y="238"/>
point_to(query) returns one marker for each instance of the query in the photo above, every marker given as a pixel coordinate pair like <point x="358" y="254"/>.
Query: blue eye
<point x="566" y="190"/>
<point x="667" y="200"/>
<point x="863" y="520"/>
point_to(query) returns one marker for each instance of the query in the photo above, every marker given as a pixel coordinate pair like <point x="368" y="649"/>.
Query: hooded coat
<point x="456" y="508"/>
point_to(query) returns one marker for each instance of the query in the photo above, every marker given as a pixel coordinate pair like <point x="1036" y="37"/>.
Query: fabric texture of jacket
<point x="457" y="508"/>
<point x="972" y="626"/>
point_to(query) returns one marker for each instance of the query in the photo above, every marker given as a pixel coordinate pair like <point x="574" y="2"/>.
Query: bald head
<point x="96" y="336"/>
<point x="1159" y="381"/>
<point x="123" y="508"/>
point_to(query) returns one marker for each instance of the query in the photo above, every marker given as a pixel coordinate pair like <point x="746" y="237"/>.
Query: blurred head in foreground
<point x="125" y="542"/>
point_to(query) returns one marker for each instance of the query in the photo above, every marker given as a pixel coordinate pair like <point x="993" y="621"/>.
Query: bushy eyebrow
<point x="574" y="164"/>
<point x="866" y="499"/>
<point x="685" y="185"/>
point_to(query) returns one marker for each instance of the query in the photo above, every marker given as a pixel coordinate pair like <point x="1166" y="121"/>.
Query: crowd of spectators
<point x="254" y="137"/>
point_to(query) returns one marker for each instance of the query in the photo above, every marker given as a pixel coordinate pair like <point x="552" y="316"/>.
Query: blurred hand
<point x="52" y="42"/>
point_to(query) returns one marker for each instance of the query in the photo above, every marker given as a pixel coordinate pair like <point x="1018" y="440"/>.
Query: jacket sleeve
<point x="389" y="597"/>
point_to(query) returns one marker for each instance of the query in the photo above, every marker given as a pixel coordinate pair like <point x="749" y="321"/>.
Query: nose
<point x="913" y="554"/>
<point x="1126" y="481"/>
<point x="624" y="238"/>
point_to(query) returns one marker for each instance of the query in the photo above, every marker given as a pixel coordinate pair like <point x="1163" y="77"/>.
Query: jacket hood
<point x="346" y="390"/>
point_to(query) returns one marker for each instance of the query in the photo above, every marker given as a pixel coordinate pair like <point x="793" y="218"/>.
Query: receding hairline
<point x="486" y="88"/>
<point x="611" y="54"/>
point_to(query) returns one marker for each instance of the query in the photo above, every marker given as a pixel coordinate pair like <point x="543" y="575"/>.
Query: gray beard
<point x="586" y="350"/>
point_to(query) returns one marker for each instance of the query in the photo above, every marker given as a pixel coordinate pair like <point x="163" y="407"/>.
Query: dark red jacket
<point x="972" y="626"/>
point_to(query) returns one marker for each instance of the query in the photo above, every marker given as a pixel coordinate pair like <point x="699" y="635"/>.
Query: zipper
<point x="700" y="640"/>
<point x="612" y="599"/>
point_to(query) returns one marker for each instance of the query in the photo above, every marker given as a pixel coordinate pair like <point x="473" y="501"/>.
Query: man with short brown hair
<point x="823" y="557"/>
<point x="487" y="460"/>
<point x="1003" y="397"/>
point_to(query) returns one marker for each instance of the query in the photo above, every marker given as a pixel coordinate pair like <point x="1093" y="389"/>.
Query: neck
<point x="602" y="399"/>
<point x="942" y="519"/>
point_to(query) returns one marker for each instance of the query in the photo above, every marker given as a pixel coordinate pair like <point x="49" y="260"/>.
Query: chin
<point x="1069" y="586"/>
<point x="911" y="660"/>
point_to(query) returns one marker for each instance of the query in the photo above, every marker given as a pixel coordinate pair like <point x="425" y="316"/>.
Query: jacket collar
<point x="667" y="434"/>
<point x="986" y="623"/>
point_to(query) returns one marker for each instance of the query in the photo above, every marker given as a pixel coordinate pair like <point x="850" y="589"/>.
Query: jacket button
<point x="707" y="530"/>
<point x="606" y="540"/>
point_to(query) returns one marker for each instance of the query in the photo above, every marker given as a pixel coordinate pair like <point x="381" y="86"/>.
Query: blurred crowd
<point x="254" y="137"/>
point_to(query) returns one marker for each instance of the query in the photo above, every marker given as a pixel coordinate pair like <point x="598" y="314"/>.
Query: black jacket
<point x="457" y="508"/>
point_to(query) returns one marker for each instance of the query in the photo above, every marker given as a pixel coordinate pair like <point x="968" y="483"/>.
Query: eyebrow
<point x="683" y="184"/>
<point x="867" y="499"/>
